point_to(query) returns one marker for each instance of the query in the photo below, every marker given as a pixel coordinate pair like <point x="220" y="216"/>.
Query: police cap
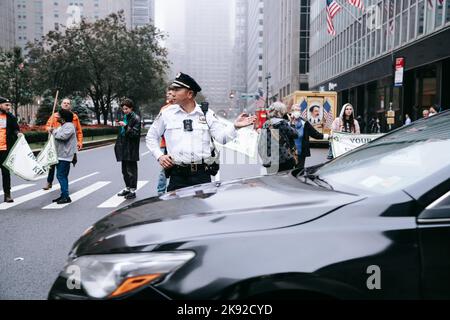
<point x="4" y="100"/>
<point x="185" y="81"/>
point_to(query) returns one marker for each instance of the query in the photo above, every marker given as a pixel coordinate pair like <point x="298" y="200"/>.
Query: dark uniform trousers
<point x="130" y="173"/>
<point x="178" y="181"/>
<point x="6" y="176"/>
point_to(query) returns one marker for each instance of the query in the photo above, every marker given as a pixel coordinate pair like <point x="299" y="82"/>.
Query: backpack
<point x="287" y="153"/>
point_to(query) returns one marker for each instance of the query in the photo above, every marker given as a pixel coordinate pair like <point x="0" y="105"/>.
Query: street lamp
<point x="268" y="76"/>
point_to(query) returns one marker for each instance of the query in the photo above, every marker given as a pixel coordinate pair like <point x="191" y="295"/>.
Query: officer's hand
<point x="244" y="120"/>
<point x="166" y="162"/>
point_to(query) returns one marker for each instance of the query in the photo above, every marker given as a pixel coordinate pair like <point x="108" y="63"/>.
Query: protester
<point x="66" y="147"/>
<point x="9" y="129"/>
<point x="127" y="148"/>
<point x="425" y="113"/>
<point x="344" y="123"/>
<point x="304" y="131"/>
<point x="278" y="131"/>
<point x="432" y="111"/>
<point x="162" y="180"/>
<point x="53" y="123"/>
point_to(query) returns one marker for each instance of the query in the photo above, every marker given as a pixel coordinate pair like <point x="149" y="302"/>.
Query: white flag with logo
<point x="23" y="163"/>
<point x="344" y="142"/>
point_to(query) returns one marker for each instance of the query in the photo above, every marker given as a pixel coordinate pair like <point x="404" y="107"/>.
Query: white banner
<point x="23" y="163"/>
<point x="246" y="140"/>
<point x="344" y="142"/>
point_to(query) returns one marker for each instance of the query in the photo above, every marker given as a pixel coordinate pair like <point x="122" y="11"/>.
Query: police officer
<point x="188" y="131"/>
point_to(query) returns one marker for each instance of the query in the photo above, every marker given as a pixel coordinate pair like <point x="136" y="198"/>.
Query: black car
<point x="371" y="224"/>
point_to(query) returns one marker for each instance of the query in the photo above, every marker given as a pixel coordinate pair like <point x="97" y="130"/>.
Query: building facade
<point x="286" y="46"/>
<point x="7" y="28"/>
<point x="239" y="61"/>
<point x="255" y="54"/>
<point x="142" y="12"/>
<point x="358" y="62"/>
<point x="208" y="49"/>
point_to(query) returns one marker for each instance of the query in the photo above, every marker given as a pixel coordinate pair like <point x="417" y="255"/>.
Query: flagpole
<point x="54" y="107"/>
<point x="351" y="14"/>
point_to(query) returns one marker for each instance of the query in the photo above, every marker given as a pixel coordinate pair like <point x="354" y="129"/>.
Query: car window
<point x="394" y="161"/>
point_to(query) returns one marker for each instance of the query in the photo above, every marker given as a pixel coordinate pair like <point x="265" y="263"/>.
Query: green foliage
<point x="15" y="78"/>
<point x="45" y="110"/>
<point x="79" y="107"/>
<point x="102" y="60"/>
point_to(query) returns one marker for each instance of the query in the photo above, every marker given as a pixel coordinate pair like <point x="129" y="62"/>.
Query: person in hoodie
<point x="277" y="130"/>
<point x="304" y="131"/>
<point x="66" y="147"/>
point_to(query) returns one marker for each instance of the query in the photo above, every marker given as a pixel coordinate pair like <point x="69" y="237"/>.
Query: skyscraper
<point x="255" y="36"/>
<point x="208" y="47"/>
<point x="143" y="12"/>
<point x="6" y="24"/>
<point x="239" y="60"/>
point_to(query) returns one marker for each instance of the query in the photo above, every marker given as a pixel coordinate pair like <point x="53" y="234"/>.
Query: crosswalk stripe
<point x="18" y="188"/>
<point x="36" y="194"/>
<point x="79" y="195"/>
<point x="115" y="200"/>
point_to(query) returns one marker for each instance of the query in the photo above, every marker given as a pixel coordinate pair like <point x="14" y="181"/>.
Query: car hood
<point x="252" y="204"/>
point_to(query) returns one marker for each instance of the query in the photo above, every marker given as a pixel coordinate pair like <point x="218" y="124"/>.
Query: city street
<point x="37" y="236"/>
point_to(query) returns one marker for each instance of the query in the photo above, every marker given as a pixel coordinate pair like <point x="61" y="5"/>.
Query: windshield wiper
<point x="317" y="180"/>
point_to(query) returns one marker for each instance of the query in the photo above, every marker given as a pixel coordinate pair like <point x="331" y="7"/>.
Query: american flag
<point x="304" y="108"/>
<point x="332" y="9"/>
<point x="328" y="114"/>
<point x="357" y="3"/>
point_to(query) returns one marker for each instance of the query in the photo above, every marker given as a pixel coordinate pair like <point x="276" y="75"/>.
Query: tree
<point x="104" y="61"/>
<point x="79" y="107"/>
<point x="45" y="109"/>
<point x="15" y="78"/>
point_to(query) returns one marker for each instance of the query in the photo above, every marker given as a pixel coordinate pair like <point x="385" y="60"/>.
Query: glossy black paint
<point x="282" y="238"/>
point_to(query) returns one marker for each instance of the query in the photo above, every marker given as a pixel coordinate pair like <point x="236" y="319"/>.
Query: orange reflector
<point x="133" y="283"/>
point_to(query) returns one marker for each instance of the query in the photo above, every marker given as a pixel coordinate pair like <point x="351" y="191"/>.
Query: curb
<point x="91" y="145"/>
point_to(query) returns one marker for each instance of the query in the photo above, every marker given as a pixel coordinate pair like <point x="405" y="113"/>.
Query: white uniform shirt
<point x="187" y="146"/>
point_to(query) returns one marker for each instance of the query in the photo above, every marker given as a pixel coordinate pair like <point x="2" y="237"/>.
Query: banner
<point x="246" y="140"/>
<point x="344" y="142"/>
<point x="23" y="163"/>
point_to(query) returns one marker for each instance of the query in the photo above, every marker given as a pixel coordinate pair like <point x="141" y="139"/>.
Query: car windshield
<point x="395" y="160"/>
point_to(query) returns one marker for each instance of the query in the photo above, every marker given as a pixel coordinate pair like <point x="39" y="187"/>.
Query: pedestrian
<point x="344" y="123"/>
<point x="162" y="180"/>
<point x="9" y="129"/>
<point x="432" y="111"/>
<point x="425" y="113"/>
<point x="407" y="119"/>
<point x="304" y="131"/>
<point x="362" y="124"/>
<point x="278" y="132"/>
<point x="53" y="123"/>
<point x="127" y="148"/>
<point x="188" y="130"/>
<point x="66" y="147"/>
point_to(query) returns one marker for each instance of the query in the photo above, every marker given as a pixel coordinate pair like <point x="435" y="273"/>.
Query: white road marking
<point x="79" y="195"/>
<point x="115" y="200"/>
<point x="17" y="188"/>
<point x="36" y="194"/>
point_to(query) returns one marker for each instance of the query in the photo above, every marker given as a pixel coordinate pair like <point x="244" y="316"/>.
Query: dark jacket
<point x="127" y="143"/>
<point x="309" y="131"/>
<point x="12" y="130"/>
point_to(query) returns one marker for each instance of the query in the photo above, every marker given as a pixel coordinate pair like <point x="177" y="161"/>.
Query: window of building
<point x="420" y="18"/>
<point x="412" y="23"/>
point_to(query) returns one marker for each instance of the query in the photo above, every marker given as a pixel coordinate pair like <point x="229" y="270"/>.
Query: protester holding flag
<point x="304" y="130"/>
<point x="127" y="148"/>
<point x="66" y="147"/>
<point x="54" y="123"/>
<point x="9" y="129"/>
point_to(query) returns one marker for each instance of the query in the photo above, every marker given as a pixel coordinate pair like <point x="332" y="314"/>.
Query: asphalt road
<point x="36" y="236"/>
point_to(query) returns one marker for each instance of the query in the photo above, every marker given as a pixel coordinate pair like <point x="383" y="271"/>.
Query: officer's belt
<point x="188" y="169"/>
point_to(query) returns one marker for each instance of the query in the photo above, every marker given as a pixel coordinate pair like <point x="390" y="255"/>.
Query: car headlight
<point x="112" y="275"/>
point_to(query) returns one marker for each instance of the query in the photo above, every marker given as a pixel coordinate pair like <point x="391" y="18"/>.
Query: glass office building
<point x="358" y="62"/>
